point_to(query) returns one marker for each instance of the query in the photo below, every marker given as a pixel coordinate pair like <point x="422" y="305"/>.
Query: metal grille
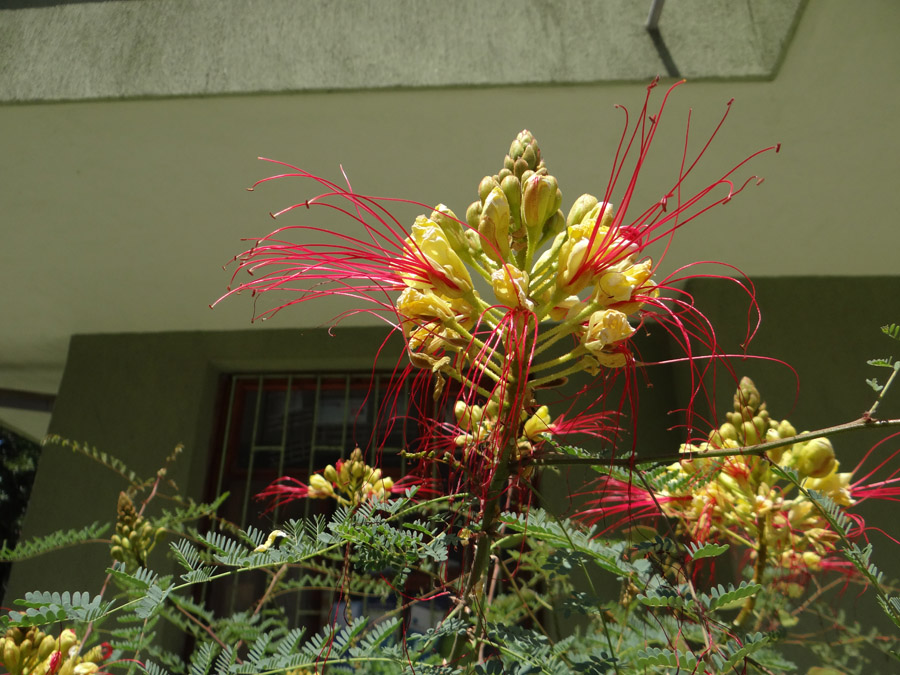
<point x="295" y="424"/>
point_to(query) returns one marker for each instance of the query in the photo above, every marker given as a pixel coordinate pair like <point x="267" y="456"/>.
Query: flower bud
<point x="473" y="213"/>
<point x="319" y="487"/>
<point x="67" y="640"/>
<point x="485" y="186"/>
<point x="747" y="395"/>
<point x="786" y="429"/>
<point x="493" y="224"/>
<point x="815" y="458"/>
<point x="775" y="454"/>
<point x="581" y="208"/>
<point x="330" y="474"/>
<point x="512" y="188"/>
<point x="554" y="225"/>
<point x="540" y="200"/>
<point x="592" y="218"/>
<point x="451" y="227"/>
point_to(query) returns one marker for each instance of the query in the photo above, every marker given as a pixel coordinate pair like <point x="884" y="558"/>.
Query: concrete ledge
<point x="155" y="48"/>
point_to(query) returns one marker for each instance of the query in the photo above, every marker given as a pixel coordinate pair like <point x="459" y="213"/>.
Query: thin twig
<point x="559" y="459"/>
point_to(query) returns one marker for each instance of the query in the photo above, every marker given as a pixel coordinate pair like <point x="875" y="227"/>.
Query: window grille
<point x="296" y="424"/>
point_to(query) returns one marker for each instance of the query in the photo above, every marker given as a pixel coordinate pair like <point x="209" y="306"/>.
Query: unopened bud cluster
<point x="745" y="497"/>
<point x="350" y="481"/>
<point x="135" y="537"/>
<point x="33" y="652"/>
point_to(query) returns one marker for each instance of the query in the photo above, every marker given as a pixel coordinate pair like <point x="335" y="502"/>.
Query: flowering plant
<point x="501" y="312"/>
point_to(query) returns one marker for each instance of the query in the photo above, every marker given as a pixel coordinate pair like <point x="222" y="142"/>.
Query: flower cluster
<point x="348" y="482"/>
<point x="135" y="537"/>
<point x="516" y="215"/>
<point x="739" y="499"/>
<point x="33" y="651"/>
<point x="515" y="297"/>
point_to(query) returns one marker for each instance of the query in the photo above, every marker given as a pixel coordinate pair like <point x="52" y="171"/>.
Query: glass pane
<point x="332" y="417"/>
<point x="245" y="409"/>
<point x="270" y="425"/>
<point x="300" y="423"/>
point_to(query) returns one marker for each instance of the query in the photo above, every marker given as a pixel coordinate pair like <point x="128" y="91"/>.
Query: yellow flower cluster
<point x="740" y="499"/>
<point x="33" y="651"/>
<point x="350" y="481"/>
<point x="577" y="270"/>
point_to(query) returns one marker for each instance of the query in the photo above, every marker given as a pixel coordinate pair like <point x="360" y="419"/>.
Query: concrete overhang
<point x="57" y="51"/>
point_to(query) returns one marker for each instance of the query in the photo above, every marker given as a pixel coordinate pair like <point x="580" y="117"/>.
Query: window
<point x="295" y="424"/>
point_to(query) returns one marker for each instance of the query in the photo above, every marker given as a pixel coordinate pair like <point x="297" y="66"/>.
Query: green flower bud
<point x="786" y="429"/>
<point x="553" y="227"/>
<point x="540" y="200"/>
<point x="520" y="168"/>
<point x="750" y="433"/>
<point x="581" y="208"/>
<point x="775" y="454"/>
<point x="747" y="395"/>
<point x="330" y="474"/>
<point x="485" y="186"/>
<point x="512" y="188"/>
<point x="473" y="213"/>
<point x="494" y="225"/>
<point x="728" y="431"/>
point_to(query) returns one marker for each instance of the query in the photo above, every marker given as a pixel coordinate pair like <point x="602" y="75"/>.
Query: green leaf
<point x="707" y="550"/>
<point x="721" y="597"/>
<point x="892" y="331"/>
<point x="883" y="363"/>
<point x="52" y="542"/>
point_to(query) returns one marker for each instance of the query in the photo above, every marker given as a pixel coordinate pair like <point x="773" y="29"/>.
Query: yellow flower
<point x="567" y="308"/>
<point x="414" y="304"/>
<point x="431" y="263"/>
<point x="834" y="485"/>
<point x="606" y="328"/>
<point x="511" y="286"/>
<point x="619" y="285"/>
<point x="538" y="424"/>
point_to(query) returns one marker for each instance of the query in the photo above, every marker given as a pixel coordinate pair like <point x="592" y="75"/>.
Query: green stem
<point x="871" y="411"/>
<point x="476" y="573"/>
<point x="758" y="571"/>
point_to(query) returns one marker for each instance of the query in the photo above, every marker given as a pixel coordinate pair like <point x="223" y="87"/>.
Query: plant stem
<point x="881" y="393"/>
<point x="559" y="459"/>
<point x="758" y="571"/>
